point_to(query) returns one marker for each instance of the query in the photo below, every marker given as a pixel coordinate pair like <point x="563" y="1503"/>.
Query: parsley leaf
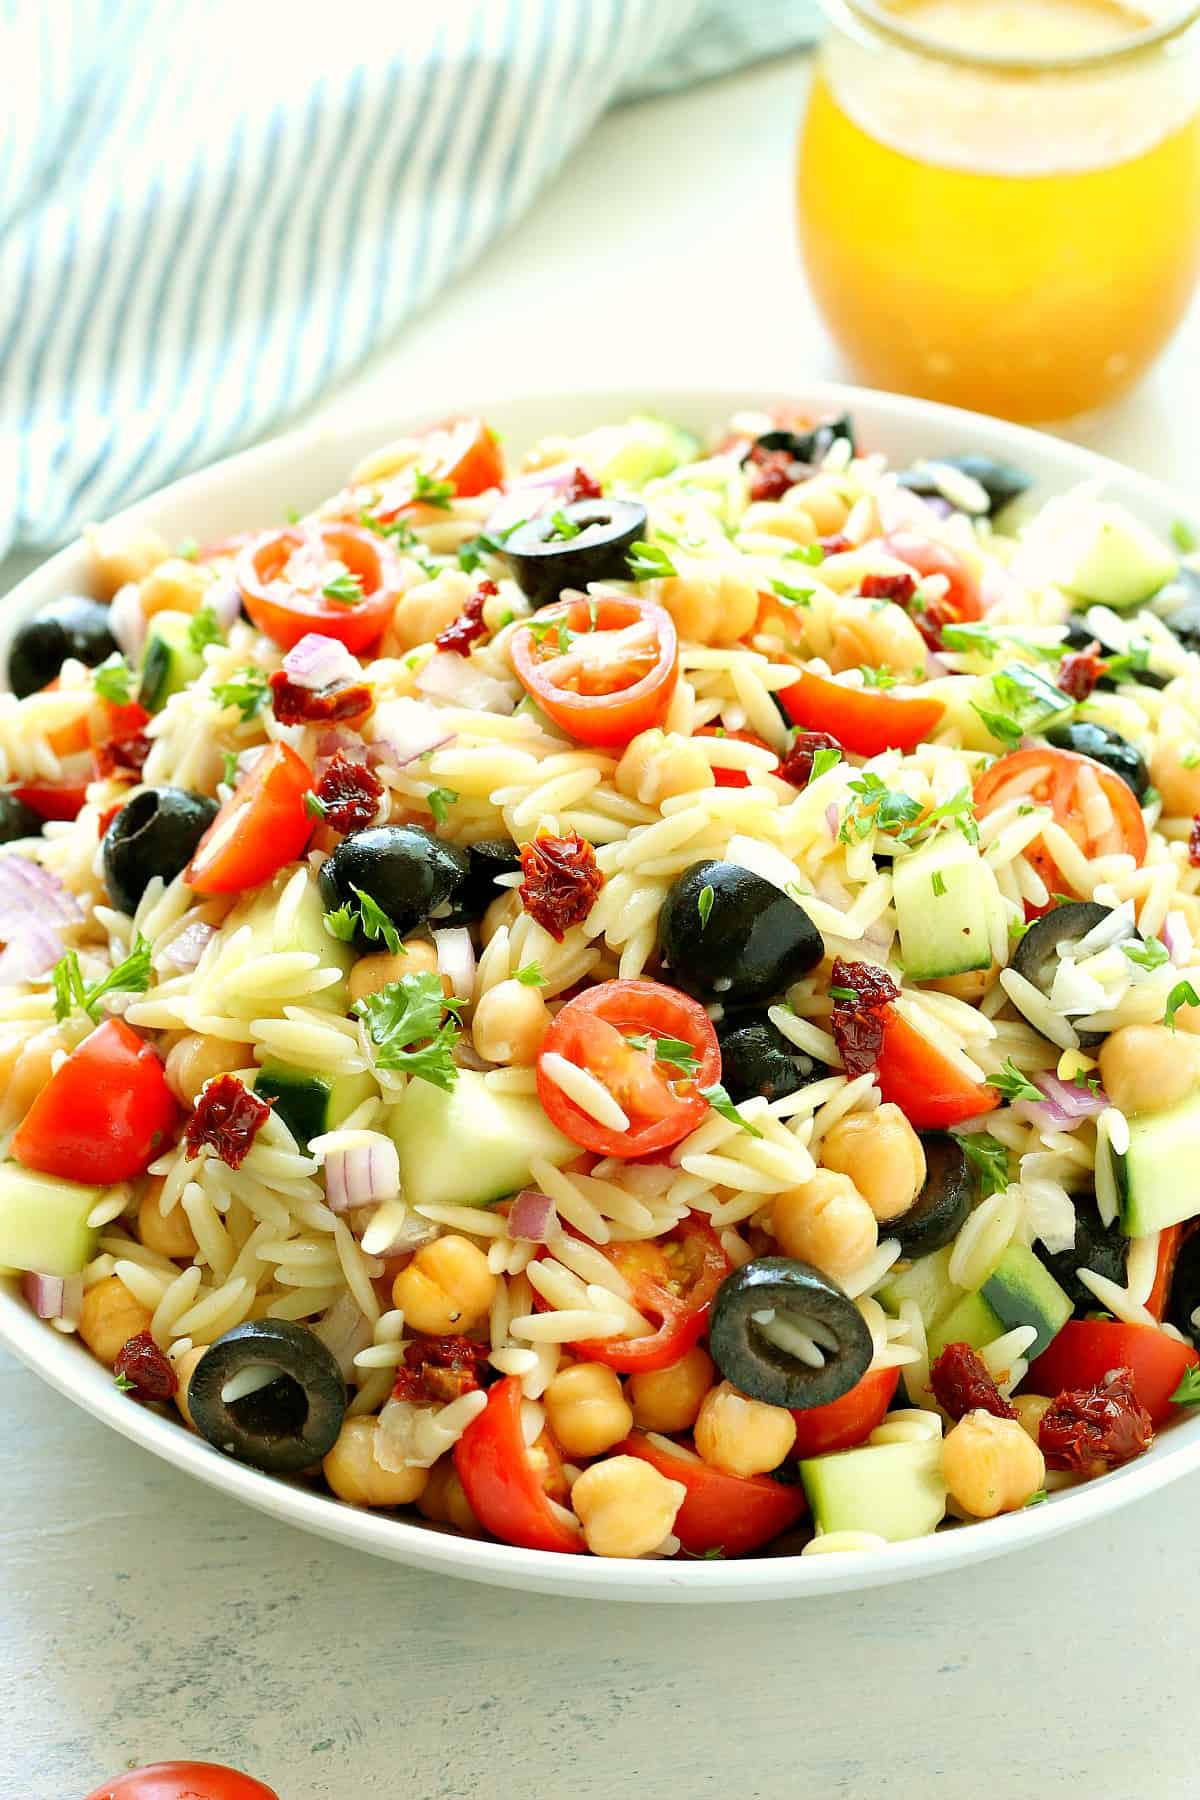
<point x="791" y="596"/>
<point x="346" y="588"/>
<point x="937" y="882"/>
<point x="123" y="1384"/>
<point x="229" y="769"/>
<point x="431" y="492"/>
<point x="399" y="532"/>
<point x="1150" y="955"/>
<point x="342" y="924"/>
<point x="132" y="976"/>
<point x="1008" y="730"/>
<point x="375" y="922"/>
<point x="441" y="799"/>
<point x="189" y="550"/>
<point x="704" y="903"/>
<point x="989" y="1156"/>
<point x="1183" y="537"/>
<point x="824" y="759"/>
<point x="112" y="679"/>
<point x="531" y="975"/>
<point x="675" y="1053"/>
<point x="1013" y="1085"/>
<point x="720" y="1102"/>
<point x="204" y="630"/>
<point x="1188" y="1391"/>
<point x="314" y="806"/>
<point x="876" y="678"/>
<point x="562" y="529"/>
<point x="247" y="690"/>
<point x="1036" y="1498"/>
<point x="812" y="554"/>
<point x="848" y="994"/>
<point x="414" y="1027"/>
<point x="471" y="554"/>
<point x="1182" y="994"/>
<point x="648" y="562"/>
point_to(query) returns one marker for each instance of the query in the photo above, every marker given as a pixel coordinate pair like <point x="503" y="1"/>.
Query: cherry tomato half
<point x="1062" y="779"/>
<point x="602" y="669"/>
<point x="613" y="1032"/>
<point x="285" y="580"/>
<point x="930" y="1092"/>
<point x="263" y="824"/>
<point x="733" y="1513"/>
<point x="925" y="556"/>
<point x="843" y="1423"/>
<point x="737" y="778"/>
<point x="1170" y="1242"/>
<point x="183" y="1781"/>
<point x="674" y="1280"/>
<point x="864" y="721"/>
<point x="104" y="1114"/>
<point x="462" y="452"/>
<point x="1085" y="1350"/>
<point x="513" y="1487"/>
<point x="53" y="799"/>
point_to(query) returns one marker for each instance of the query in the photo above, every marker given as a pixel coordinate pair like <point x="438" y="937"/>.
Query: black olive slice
<point x="1099" y="1247"/>
<point x="941" y="1208"/>
<point x="727" y="934"/>
<point x="809" y="447"/>
<point x="407" y="872"/>
<point x="1185" y="1287"/>
<point x="288" y="1422"/>
<point x="74" y="626"/>
<point x="756" y="1058"/>
<point x="17" y="820"/>
<point x="755" y="1311"/>
<point x="1104" y="746"/>
<point x="1001" y="482"/>
<point x="587" y="540"/>
<point x="1037" y="954"/>
<point x="155" y="833"/>
<point x="486" y="860"/>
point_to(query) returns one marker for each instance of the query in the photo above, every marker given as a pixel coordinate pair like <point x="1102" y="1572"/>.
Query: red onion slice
<point x="530" y="495"/>
<point x="320" y="662"/>
<point x="405" y="730"/>
<point x="362" y="1174"/>
<point x="32" y="950"/>
<point x="456" y="959"/>
<point x="457" y="681"/>
<point x="533" y="1217"/>
<point x="185" y="951"/>
<point x="54" y="1296"/>
<point x="24" y="887"/>
<point x="1178" y="939"/>
<point x="224" y="601"/>
<point x="1065" y="1106"/>
<point x="127" y="621"/>
<point x="832" y="819"/>
<point x="344" y="1331"/>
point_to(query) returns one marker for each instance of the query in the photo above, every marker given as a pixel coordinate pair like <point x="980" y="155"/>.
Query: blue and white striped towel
<point x="211" y="212"/>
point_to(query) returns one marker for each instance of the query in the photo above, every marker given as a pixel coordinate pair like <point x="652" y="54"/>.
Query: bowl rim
<point x="67" y="1366"/>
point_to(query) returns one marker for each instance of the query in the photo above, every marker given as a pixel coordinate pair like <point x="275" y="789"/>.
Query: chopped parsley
<point x="704" y="903"/>
<point x="441" y="799"/>
<point x="1014" y="1085"/>
<point x="428" y="491"/>
<point x="204" y="630"/>
<point x="791" y="596"/>
<point x="989" y="1156"/>
<point x="649" y="562"/>
<point x="877" y="678"/>
<point x="562" y="529"/>
<point x="1009" y="731"/>
<point x="293" y="515"/>
<point x="1150" y="955"/>
<point x="490" y="543"/>
<point x="1188" y="1391"/>
<point x="368" y="917"/>
<point x="123" y="1384"/>
<point x="937" y="882"/>
<point x="399" y="531"/>
<point x="1182" y="994"/>
<point x="346" y="588"/>
<point x="229" y="767"/>
<point x="189" y="550"/>
<point x="531" y="975"/>
<point x="112" y="679"/>
<point x="847" y="994"/>
<point x="720" y="1102"/>
<point x="247" y="690"/>
<point x="824" y="759"/>
<point x="812" y="554"/>
<point x="414" y="1027"/>
<point x="132" y="976"/>
<point x="1037" y="1496"/>
<point x="1190" y="757"/>
<point x="1183" y="537"/>
<point x="675" y="1053"/>
<point x="314" y="806"/>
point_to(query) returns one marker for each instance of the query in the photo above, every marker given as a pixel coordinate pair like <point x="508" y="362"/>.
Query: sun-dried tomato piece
<point x="899" y="587"/>
<point x="143" y="1370"/>
<point x="350" y="793"/>
<point x="128" y="753"/>
<point x="561" y="881"/>
<point x="1088" y="1430"/>
<point x="228" y="1118"/>
<point x="295" y="705"/>
<point x="1079" y="673"/>
<point x="438" y="1370"/>
<point x="469" y="627"/>
<point x="962" y="1383"/>
<point x="773" y="472"/>
<point x="582" y="487"/>
<point x="797" y="765"/>
<point x="837" y="544"/>
<point x="861" y="992"/>
<point x="1194" y="843"/>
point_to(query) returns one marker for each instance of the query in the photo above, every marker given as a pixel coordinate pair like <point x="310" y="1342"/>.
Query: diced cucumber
<point x="927" y="1281"/>
<point x="945" y="896"/>
<point x="894" y="1490"/>
<point x="1156" y="1177"/>
<point x="1112" y="559"/>
<point x="470" y="1146"/>
<point x="169" y="663"/>
<point x="637" y="451"/>
<point x="1019" y="1291"/>
<point x="971" y="1321"/>
<point x="310" y="1104"/>
<point x="301" y="928"/>
<point x="43" y="1222"/>
<point x="717" y="481"/>
<point x="1024" y="698"/>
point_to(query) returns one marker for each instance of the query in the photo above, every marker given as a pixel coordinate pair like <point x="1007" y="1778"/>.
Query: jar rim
<point x="863" y="18"/>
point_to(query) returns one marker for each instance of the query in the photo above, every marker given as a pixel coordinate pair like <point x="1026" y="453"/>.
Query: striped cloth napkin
<point x="212" y="211"/>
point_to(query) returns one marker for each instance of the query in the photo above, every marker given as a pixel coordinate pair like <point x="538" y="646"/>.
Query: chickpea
<point x="124" y="553"/>
<point x="669" y="1399"/>
<point x="354" y="1475"/>
<point x="744" y="1437"/>
<point x="170" y="1235"/>
<point x="185" y="1368"/>
<point x="510" y="1022"/>
<point x="426" y="610"/>
<point x="174" y="586"/>
<point x="716" y="605"/>
<point x="109" y="1317"/>
<point x="991" y="1465"/>
<point x="587" y="1410"/>
<point x="625" y="1506"/>
<point x="877" y="634"/>
<point x="1030" y="1409"/>
<point x="504" y="911"/>
<point x="883" y="1154"/>
<point x="826" y="1222"/>
<point x="444" y="1499"/>
<point x="30" y="1073"/>
<point x="822" y="500"/>
<point x="195" y="1059"/>
<point x="658" y="764"/>
<point x="371" y="974"/>
<point x="1175" y="772"/>
<point x="446" y="1287"/>
<point x="1146" y="1067"/>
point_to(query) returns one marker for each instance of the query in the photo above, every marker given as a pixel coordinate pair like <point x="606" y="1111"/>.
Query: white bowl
<point x="256" y="488"/>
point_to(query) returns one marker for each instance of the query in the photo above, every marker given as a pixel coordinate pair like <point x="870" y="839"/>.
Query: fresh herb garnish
<point x="704" y="903"/>
<point x="113" y="679"/>
<point x="414" y="1027"/>
<point x="1036" y="1498"/>
<point x="247" y="690"/>
<point x="877" y="678"/>
<point x="1188" y="1391"/>
<point x="649" y="562"/>
<point x="1183" y="537"/>
<point x="562" y="529"/>
<point x="189" y="550"/>
<point x="937" y="882"/>
<point x="441" y="799"/>
<point x="1013" y="1085"/>
<point x="123" y="1384"/>
<point x="293" y="515"/>
<point x="314" y="806"/>
<point x="204" y="630"/>
<point x="132" y="976"/>
<point x="989" y="1156"/>
<point x="848" y="994"/>
<point x="229" y="767"/>
<point x="720" y="1102"/>
<point x="346" y="588"/>
<point x="1182" y="994"/>
<point x="824" y="759"/>
<point x="471" y="554"/>
<point x="366" y="916"/>
<point x="531" y="975"/>
<point x="676" y="1053"/>
<point x="791" y="596"/>
<point x="812" y="554"/>
<point x="1150" y="955"/>
<point x="1008" y="730"/>
<point x="431" y="492"/>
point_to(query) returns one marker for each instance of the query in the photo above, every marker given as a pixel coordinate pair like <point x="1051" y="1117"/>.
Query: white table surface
<point x="142" y="1616"/>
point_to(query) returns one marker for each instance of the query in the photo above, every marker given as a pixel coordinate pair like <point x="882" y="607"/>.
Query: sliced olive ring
<point x="940" y="1209"/>
<point x="764" y="1320"/>
<point x="584" y="541"/>
<point x="727" y="934"/>
<point x="809" y="447"/>
<point x="1037" y="954"/>
<point x="1107" y="747"/>
<point x="270" y="1394"/>
<point x="1001" y="482"/>
<point x="756" y="1059"/>
<point x="1102" y="1248"/>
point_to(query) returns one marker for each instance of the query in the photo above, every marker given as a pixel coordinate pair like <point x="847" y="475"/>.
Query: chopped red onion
<point x="404" y="730"/>
<point x="344" y="1331"/>
<point x="185" y="951"/>
<point x="1065" y="1106"/>
<point x="456" y="680"/>
<point x="32" y="950"/>
<point x="1178" y="939"/>
<point x="127" y="621"/>
<point x="224" y="601"/>
<point x="533" y="1217"/>
<point x="26" y="886"/>
<point x="362" y="1174"/>
<point x="54" y="1296"/>
<point x="320" y="662"/>
<point x="456" y="959"/>
<point x="832" y="818"/>
<point x="530" y="494"/>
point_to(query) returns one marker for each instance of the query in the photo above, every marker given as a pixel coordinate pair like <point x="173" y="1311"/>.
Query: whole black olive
<point x="407" y="872"/>
<point x="1080" y="636"/>
<point x="73" y="626"/>
<point x="756" y="1058"/>
<point x="1001" y="482"/>
<point x="727" y="934"/>
<point x="155" y="833"/>
<point x="941" y="1208"/>
<point x="544" y="558"/>
<point x="270" y="1394"/>
<point x="17" y="820"/>
<point x="1037" y="954"/>
<point x="762" y="1320"/>
<point x="1102" y="1248"/>
<point x="810" y="447"/>
<point x="1185" y="1286"/>
<point x="1105" y="746"/>
<point x="485" y="861"/>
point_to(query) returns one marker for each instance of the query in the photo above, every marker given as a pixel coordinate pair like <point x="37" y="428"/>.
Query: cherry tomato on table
<point x="674" y="1280"/>
<point x="732" y="1513"/>
<point x="1083" y="1352"/>
<point x="517" y="1491"/>
<point x="263" y="824"/>
<point x="929" y="1090"/>
<point x="461" y="452"/>
<point x="843" y="1423"/>
<point x="602" y="669"/>
<point x="1060" y="779"/>
<point x="286" y="578"/>
<point x="925" y="556"/>
<point x="652" y="1047"/>
<point x="183" y="1781"/>
<point x="104" y="1114"/>
<point x="864" y="721"/>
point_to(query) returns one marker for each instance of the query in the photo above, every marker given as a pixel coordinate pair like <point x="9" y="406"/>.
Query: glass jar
<point x="999" y="200"/>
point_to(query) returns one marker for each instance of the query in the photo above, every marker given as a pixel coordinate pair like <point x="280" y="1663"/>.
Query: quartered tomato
<point x="674" y="1280"/>
<point x="602" y="669"/>
<point x="262" y="825"/>
<point x="864" y="721"/>
<point x="183" y="1781"/>
<point x="732" y="777"/>
<point x="104" y="1114"/>
<point x="925" y="556"/>
<point x="517" y="1491"/>
<point x="841" y="1424"/>
<point x="652" y="1047"/>
<point x="461" y="452"/>
<point x="1067" y="783"/>
<point x="731" y="1513"/>
<point x="290" y="581"/>
<point x="932" y="1094"/>
<point x="88" y="745"/>
<point x="1084" y="1351"/>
